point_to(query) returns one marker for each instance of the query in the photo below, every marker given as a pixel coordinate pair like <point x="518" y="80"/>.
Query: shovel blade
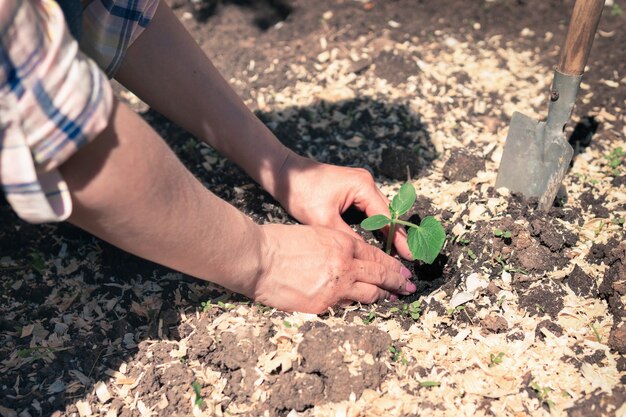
<point x="534" y="160"/>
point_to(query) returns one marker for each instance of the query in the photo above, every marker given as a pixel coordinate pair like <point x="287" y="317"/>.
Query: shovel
<point x="536" y="154"/>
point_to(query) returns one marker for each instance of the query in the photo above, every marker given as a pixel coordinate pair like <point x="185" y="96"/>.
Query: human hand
<point x="312" y="268"/>
<point x="317" y="194"/>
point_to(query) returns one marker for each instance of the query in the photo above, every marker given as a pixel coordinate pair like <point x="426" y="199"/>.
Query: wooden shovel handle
<point x="580" y="33"/>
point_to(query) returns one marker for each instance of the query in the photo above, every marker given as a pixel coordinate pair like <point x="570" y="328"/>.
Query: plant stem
<point x="405" y="223"/>
<point x="392" y="230"/>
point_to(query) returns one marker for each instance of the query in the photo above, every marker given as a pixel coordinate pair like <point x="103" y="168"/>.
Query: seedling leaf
<point x="197" y="389"/>
<point x="375" y="222"/>
<point x="403" y="201"/>
<point x="428" y="384"/>
<point x="426" y="240"/>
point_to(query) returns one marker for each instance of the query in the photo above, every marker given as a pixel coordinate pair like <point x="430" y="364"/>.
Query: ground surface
<point x="529" y="325"/>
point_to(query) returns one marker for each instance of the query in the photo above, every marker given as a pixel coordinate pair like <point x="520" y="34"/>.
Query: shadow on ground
<point x="73" y="308"/>
<point x="266" y="13"/>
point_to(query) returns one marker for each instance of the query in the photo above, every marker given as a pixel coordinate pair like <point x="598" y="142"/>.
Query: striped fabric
<point x="111" y="26"/>
<point x="53" y="98"/>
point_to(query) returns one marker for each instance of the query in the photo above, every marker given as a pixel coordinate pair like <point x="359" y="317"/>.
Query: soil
<point x="418" y="91"/>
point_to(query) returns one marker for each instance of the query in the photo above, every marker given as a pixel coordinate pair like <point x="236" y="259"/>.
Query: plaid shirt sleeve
<point x="53" y="98"/>
<point x="111" y="26"/>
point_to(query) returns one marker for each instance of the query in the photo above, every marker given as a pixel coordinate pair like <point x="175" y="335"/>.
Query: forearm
<point x="129" y="189"/>
<point x="168" y="70"/>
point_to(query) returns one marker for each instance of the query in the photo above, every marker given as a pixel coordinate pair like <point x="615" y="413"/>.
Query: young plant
<point x="504" y="234"/>
<point x="370" y="318"/>
<point x="495" y="359"/>
<point x="508" y="268"/>
<point x="461" y="240"/>
<point x="197" y="390"/>
<point x="37" y="261"/>
<point x="542" y="394"/>
<point x="455" y="310"/>
<point x="397" y="355"/>
<point x="413" y="309"/>
<point x="615" y="159"/>
<point x="618" y="221"/>
<point x="425" y="241"/>
<point x="596" y="333"/>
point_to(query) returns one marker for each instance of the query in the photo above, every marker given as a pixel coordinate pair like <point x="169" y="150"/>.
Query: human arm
<point x="167" y="69"/>
<point x="129" y="189"/>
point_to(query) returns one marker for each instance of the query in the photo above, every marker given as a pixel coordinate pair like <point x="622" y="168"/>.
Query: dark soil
<point x="75" y="311"/>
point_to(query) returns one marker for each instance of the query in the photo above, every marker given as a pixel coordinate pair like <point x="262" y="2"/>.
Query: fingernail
<point x="405" y="272"/>
<point x="393" y="297"/>
<point x="410" y="287"/>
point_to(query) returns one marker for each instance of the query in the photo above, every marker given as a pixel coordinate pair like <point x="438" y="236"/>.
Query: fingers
<point x="401" y="245"/>
<point x="365" y="252"/>
<point x="372" y="201"/>
<point x="366" y="293"/>
<point x="389" y="279"/>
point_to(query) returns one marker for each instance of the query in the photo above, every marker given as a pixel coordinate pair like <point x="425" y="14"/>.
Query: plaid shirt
<point x="54" y="98"/>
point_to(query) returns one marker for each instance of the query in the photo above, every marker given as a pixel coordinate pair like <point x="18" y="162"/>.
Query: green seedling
<point x="413" y="310"/>
<point x="370" y="318"/>
<point x="397" y="355"/>
<point x="616" y="10"/>
<point x="37" y="262"/>
<point x="38" y="352"/>
<point x="508" y="268"/>
<point x="615" y="159"/>
<point x="462" y="240"/>
<point x="542" y="394"/>
<point x="219" y="302"/>
<point x="599" y="229"/>
<point x="501" y="301"/>
<point x="504" y="234"/>
<point x="429" y="384"/>
<point x="495" y="359"/>
<point x="618" y="221"/>
<point x="207" y="305"/>
<point x="453" y="311"/>
<point x="596" y="333"/>
<point x="197" y="389"/>
<point x="471" y="254"/>
<point x="425" y="241"/>
<point x="263" y="308"/>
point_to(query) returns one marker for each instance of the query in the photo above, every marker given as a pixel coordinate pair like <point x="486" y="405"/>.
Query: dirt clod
<point x="549" y="325"/>
<point x="544" y="298"/>
<point x="598" y="403"/>
<point x="495" y="324"/>
<point x="581" y="283"/>
<point x="297" y="391"/>
<point x="398" y="164"/>
<point x="325" y="350"/>
<point x="617" y="337"/>
<point x="462" y="165"/>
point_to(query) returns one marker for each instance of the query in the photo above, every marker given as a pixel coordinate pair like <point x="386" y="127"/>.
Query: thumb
<point x="401" y="244"/>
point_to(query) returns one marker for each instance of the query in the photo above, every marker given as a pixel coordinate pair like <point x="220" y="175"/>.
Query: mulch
<point x="421" y="91"/>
